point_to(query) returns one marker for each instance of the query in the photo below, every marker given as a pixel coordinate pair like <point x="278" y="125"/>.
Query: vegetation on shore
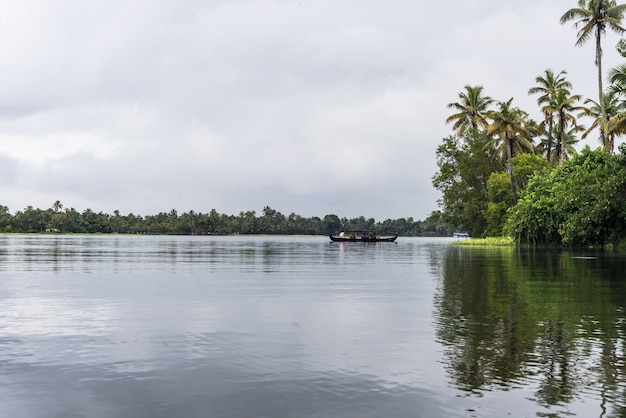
<point x="504" y="174"/>
<point x="486" y="242"/>
<point x="68" y="220"/>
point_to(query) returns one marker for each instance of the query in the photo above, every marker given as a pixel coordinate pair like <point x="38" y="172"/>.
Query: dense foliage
<point x="464" y="169"/>
<point x="58" y="219"/>
<point x="581" y="203"/>
<point x="504" y="173"/>
<point x="476" y="189"/>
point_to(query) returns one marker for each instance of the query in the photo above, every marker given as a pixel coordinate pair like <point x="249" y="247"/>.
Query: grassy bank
<point x="486" y="242"/>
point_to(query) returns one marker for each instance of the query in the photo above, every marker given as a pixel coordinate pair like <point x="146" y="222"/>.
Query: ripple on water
<point x="295" y="326"/>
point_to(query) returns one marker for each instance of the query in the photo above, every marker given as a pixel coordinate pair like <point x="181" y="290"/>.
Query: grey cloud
<point x="311" y="107"/>
<point x="9" y="170"/>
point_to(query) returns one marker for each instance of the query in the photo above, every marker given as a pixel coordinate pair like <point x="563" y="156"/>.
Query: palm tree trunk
<point x="550" y="127"/>
<point x="605" y="119"/>
<point x="509" y="157"/>
<point x="559" y="151"/>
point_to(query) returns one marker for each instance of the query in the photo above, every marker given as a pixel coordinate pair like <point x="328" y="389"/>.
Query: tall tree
<point x="464" y="168"/>
<point x="471" y="110"/>
<point x="547" y="86"/>
<point x="569" y="139"/>
<point x="592" y="18"/>
<point x="562" y="106"/>
<point x="617" y="77"/>
<point x="614" y="109"/>
<point x="509" y="136"/>
<point x="57" y="206"/>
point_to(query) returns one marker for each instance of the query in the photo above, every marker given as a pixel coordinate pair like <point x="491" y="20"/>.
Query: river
<point x="159" y="326"/>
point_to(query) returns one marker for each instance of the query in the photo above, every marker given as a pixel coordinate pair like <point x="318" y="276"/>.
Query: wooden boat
<point x="362" y="236"/>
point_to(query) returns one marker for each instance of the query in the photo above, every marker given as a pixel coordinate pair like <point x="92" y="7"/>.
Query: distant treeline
<point x="68" y="220"/>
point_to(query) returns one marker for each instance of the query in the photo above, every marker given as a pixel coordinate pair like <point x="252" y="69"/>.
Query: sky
<point x="311" y="107"/>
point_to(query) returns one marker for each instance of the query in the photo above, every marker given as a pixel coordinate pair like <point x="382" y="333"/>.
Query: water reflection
<point x="215" y="326"/>
<point x="552" y="320"/>
<point x="297" y="326"/>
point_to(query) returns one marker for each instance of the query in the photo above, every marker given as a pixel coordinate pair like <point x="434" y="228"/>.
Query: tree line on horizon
<point x="504" y="173"/>
<point x="68" y="220"/>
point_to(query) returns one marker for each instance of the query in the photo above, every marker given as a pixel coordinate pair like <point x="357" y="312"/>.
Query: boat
<point x="460" y="235"/>
<point x="362" y="236"/>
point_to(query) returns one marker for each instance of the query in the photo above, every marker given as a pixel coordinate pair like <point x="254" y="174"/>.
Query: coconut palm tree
<point x="569" y="139"/>
<point x="508" y="135"/>
<point x="568" y="145"/>
<point x="592" y="18"/>
<point x="562" y="106"/>
<point x="616" y="118"/>
<point x="470" y="109"/>
<point x="617" y="78"/>
<point x="547" y="86"/>
<point x="57" y="206"/>
<point x="542" y="148"/>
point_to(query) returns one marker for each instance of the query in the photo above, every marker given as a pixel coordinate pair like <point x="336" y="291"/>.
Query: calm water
<point x="123" y="326"/>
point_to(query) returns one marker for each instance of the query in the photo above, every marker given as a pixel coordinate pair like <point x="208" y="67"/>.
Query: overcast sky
<point x="313" y="107"/>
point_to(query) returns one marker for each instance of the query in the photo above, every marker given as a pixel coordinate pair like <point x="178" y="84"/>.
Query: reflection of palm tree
<point x="466" y="337"/>
<point x="512" y="353"/>
<point x="555" y="347"/>
<point x="501" y="328"/>
<point x="609" y="362"/>
<point x="470" y="109"/>
<point x="547" y="86"/>
<point x="509" y="135"/>
<point x="592" y="19"/>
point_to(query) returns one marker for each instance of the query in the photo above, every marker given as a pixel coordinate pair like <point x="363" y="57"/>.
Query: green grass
<point x="486" y="242"/>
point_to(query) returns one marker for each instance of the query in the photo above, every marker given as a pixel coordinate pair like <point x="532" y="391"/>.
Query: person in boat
<point x="342" y="234"/>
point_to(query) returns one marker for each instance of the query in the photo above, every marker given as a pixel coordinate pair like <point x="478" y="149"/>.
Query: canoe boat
<point x="361" y="236"/>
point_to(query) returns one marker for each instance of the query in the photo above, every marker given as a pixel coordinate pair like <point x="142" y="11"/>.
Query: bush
<point x="580" y="203"/>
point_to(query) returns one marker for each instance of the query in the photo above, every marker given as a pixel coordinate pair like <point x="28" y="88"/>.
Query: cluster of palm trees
<point x="559" y="126"/>
<point x="509" y="129"/>
<point x="592" y="18"/>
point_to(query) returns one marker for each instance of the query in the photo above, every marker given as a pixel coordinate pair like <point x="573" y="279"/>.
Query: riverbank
<point x="486" y="242"/>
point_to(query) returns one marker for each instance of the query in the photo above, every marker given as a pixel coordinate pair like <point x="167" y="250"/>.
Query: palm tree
<point x="547" y="86"/>
<point x="569" y="139"/>
<point x="542" y="148"/>
<point x="471" y="110"/>
<point x="57" y="206"/>
<point x="615" y="124"/>
<point x="509" y="135"/>
<point x="617" y="77"/>
<point x="568" y="145"/>
<point x="592" y="19"/>
<point x="562" y="105"/>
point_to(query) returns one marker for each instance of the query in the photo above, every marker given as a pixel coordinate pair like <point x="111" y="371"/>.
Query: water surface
<point x="144" y="326"/>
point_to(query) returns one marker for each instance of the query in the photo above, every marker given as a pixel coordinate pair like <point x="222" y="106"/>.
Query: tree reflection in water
<point x="548" y="320"/>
